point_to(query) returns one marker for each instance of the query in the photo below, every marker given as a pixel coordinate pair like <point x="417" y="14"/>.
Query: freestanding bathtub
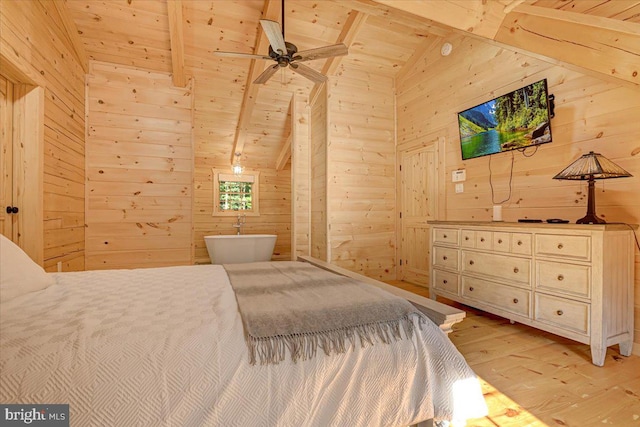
<point x="238" y="248"/>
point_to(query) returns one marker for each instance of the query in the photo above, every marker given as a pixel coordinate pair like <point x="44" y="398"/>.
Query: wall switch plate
<point x="459" y="188"/>
<point x="459" y="175"/>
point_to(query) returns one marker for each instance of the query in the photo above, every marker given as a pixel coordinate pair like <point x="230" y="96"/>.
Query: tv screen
<point x="518" y="119"/>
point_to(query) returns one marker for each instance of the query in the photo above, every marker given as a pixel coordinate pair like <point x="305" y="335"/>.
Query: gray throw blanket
<point x="297" y="306"/>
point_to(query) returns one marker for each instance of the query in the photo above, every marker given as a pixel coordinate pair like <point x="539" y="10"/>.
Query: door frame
<point x="437" y="141"/>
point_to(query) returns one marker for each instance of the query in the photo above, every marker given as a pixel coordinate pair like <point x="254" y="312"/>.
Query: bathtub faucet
<point x="240" y="223"/>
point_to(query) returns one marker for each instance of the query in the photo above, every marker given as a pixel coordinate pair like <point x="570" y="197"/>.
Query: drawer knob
<point x="560" y="277"/>
<point x="560" y="246"/>
<point x="471" y="288"/>
<point x="559" y="313"/>
<point x="471" y="262"/>
<point x="482" y="239"/>
<point x="444" y="257"/>
<point x="445" y="281"/>
<point x="519" y="242"/>
<point x="444" y="236"/>
<point x="466" y="238"/>
<point x="515" y="300"/>
<point x="499" y="241"/>
<point x="515" y="269"/>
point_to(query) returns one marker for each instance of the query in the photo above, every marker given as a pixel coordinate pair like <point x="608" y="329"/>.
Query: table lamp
<point x="590" y="167"/>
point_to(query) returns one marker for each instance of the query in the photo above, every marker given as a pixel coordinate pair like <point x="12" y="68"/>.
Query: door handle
<point x="12" y="210"/>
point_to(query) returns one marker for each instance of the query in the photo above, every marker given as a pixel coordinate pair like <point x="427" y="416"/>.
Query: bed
<point x="165" y="347"/>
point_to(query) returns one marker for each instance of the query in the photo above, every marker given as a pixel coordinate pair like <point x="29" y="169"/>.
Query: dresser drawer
<point x="521" y="243"/>
<point x="504" y="267"/>
<point x="446" y="236"/>
<point x="445" y="258"/>
<point x="567" y="279"/>
<point x="501" y="241"/>
<point x="575" y="247"/>
<point x="445" y="281"/>
<point x="507" y="298"/>
<point x="468" y="239"/>
<point x="484" y="239"/>
<point x="563" y="313"/>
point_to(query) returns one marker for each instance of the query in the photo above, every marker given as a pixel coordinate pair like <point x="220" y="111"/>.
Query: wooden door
<point x="6" y="156"/>
<point x="419" y="204"/>
<point x="21" y="165"/>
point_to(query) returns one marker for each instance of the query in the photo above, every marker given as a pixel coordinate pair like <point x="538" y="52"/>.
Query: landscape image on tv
<point x="516" y="120"/>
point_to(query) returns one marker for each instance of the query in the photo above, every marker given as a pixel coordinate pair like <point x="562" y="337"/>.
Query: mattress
<point x="165" y="347"/>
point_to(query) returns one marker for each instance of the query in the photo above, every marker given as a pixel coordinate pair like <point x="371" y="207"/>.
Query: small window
<point x="233" y="194"/>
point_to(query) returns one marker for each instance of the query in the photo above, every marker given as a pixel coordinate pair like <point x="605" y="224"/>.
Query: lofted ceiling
<point x="232" y="115"/>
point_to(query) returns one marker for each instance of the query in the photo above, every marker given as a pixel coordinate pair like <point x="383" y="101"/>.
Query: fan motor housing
<point x="284" y="60"/>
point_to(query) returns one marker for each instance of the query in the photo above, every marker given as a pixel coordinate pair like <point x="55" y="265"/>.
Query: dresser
<point x="573" y="280"/>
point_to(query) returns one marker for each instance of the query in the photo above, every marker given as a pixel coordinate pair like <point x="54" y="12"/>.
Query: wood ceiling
<point x="384" y="36"/>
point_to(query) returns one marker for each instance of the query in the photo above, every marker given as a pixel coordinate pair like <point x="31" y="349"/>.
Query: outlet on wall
<point x="459" y="188"/>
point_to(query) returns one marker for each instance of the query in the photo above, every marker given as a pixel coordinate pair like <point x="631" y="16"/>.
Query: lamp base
<point x="591" y="219"/>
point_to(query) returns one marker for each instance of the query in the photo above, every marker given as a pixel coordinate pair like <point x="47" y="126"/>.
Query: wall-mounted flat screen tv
<point x="518" y="119"/>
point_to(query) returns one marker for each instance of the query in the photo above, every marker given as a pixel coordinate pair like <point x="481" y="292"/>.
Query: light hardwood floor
<point x="532" y="378"/>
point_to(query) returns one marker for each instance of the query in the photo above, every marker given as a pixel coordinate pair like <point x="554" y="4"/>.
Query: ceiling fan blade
<point x="239" y="55"/>
<point x="321" y="52"/>
<point x="309" y="73"/>
<point x="274" y="34"/>
<point x="266" y="74"/>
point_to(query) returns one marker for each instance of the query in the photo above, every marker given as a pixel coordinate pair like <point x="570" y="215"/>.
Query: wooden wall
<point x="362" y="172"/>
<point x="591" y="114"/>
<point x="319" y="190"/>
<point x="139" y="165"/>
<point x="34" y="42"/>
<point x="300" y="177"/>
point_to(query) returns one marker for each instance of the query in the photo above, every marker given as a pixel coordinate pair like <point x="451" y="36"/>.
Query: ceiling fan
<point x="286" y="54"/>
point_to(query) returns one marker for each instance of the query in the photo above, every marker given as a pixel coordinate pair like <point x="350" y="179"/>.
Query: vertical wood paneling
<point x="139" y="169"/>
<point x="591" y="114"/>
<point x="319" y="237"/>
<point x="300" y="176"/>
<point x="34" y="44"/>
<point x="362" y="172"/>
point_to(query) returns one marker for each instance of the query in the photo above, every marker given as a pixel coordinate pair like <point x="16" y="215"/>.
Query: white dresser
<point x="568" y="279"/>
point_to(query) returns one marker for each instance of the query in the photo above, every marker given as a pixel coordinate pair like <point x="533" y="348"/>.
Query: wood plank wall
<point x="318" y="220"/>
<point x="139" y="166"/>
<point x="300" y="176"/>
<point x="362" y="171"/>
<point x="34" y="42"/>
<point x="591" y="114"/>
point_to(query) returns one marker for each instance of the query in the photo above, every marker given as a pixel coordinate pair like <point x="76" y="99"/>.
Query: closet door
<point x="6" y="157"/>
<point x="21" y="166"/>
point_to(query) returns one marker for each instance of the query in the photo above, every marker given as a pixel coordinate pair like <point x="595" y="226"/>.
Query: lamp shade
<point x="590" y="167"/>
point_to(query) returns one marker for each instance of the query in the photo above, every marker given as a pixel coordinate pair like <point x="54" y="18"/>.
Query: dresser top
<point x="541" y="225"/>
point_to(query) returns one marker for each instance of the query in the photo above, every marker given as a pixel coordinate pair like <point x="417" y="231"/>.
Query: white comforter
<point x="165" y="346"/>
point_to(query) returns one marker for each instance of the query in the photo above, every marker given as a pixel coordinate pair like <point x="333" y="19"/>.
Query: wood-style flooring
<point x="533" y="378"/>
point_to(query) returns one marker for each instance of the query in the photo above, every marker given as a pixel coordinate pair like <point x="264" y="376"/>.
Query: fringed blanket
<point x="298" y="307"/>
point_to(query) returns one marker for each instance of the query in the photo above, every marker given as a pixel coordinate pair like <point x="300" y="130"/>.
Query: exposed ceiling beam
<point x="72" y="32"/>
<point x="474" y="16"/>
<point x="608" y="47"/>
<point x="176" y="36"/>
<point x="349" y="32"/>
<point x="271" y="11"/>
<point x="595" y="43"/>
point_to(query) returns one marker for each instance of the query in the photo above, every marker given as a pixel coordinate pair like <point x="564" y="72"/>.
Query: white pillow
<point x="18" y="273"/>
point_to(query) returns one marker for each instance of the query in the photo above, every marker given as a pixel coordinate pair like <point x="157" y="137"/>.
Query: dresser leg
<point x="626" y="347"/>
<point x="598" y="353"/>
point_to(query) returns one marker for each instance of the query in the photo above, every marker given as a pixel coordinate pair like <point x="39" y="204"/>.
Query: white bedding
<point x="165" y="346"/>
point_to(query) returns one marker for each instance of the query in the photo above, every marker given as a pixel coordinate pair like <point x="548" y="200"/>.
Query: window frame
<point x="247" y="176"/>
